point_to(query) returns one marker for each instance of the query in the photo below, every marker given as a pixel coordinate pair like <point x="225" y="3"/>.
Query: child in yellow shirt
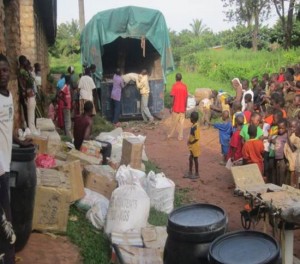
<point x="193" y="144"/>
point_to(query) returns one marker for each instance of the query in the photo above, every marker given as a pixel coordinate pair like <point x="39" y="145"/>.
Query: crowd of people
<point x="73" y="93"/>
<point x="262" y="125"/>
<point x="29" y="83"/>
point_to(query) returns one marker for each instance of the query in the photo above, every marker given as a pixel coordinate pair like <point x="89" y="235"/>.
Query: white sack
<point x="127" y="175"/>
<point x="128" y="209"/>
<point x="90" y="199"/>
<point x="161" y="191"/>
<point x="97" y="214"/>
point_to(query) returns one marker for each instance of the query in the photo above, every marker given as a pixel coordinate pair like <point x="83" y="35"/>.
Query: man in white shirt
<point x="246" y="90"/>
<point x="86" y="86"/>
<point x="7" y="236"/>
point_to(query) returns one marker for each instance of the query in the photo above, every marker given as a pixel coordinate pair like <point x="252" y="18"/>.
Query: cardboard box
<point x="155" y="237"/>
<point x="100" y="178"/>
<point x="91" y="148"/>
<point x="45" y="124"/>
<point x="132" y="152"/>
<point x="130" y="238"/>
<point x="42" y="143"/>
<point x="74" y="154"/>
<point x="55" y="190"/>
<point x="134" y="255"/>
<point x="247" y="176"/>
<point x="73" y="173"/>
<point x="51" y="209"/>
<point x="54" y="141"/>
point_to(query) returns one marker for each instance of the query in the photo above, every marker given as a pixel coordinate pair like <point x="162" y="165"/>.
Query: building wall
<point x="34" y="43"/>
<point x="41" y="48"/>
<point x="22" y="33"/>
<point x="10" y="45"/>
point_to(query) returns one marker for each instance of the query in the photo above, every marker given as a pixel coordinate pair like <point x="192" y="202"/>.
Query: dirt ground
<point x="215" y="185"/>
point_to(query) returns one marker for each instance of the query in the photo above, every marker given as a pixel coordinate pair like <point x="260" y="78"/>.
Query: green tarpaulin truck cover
<point x="125" y="22"/>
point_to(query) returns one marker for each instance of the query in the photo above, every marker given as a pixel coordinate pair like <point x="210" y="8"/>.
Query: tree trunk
<point x="289" y="25"/>
<point x="255" y="30"/>
<point x="81" y="14"/>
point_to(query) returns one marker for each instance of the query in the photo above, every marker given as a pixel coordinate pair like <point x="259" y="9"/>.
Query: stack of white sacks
<point x="129" y="205"/>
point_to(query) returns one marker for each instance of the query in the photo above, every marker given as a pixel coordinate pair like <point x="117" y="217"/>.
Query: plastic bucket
<point x="191" y="229"/>
<point x="22" y="192"/>
<point x="247" y="247"/>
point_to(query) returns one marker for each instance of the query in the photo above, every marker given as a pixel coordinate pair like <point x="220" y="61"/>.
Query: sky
<point x="178" y="14"/>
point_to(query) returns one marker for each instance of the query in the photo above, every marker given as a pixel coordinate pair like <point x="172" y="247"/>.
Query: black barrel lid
<point x="197" y="216"/>
<point x="247" y="247"/>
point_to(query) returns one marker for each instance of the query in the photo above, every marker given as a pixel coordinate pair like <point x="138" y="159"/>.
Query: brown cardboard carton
<point x="134" y="255"/>
<point x="73" y="173"/>
<point x="42" y="144"/>
<point x="100" y="178"/>
<point x="74" y="154"/>
<point x="91" y="148"/>
<point x="155" y="237"/>
<point x="132" y="152"/>
<point x="54" y="141"/>
<point x="51" y="209"/>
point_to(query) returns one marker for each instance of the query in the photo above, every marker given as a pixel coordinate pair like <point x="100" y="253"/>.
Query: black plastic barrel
<point x="247" y="247"/>
<point x="191" y="229"/>
<point x="22" y="191"/>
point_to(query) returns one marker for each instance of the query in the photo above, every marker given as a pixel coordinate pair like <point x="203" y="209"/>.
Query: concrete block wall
<point x="22" y="33"/>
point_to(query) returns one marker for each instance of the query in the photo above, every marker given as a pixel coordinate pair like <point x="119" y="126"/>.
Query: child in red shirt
<point x="249" y="107"/>
<point x="236" y="142"/>
<point x="253" y="149"/>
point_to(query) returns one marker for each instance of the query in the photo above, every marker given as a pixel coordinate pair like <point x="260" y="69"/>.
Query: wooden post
<point x="287" y="246"/>
<point x="81" y="14"/>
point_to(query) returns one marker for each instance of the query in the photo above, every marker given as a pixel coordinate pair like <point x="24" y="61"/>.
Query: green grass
<point x="195" y="80"/>
<point x="151" y="166"/>
<point x="60" y="65"/>
<point x="101" y="125"/>
<point x="213" y="69"/>
<point x="94" y="245"/>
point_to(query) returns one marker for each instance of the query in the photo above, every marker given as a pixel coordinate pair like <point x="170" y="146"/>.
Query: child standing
<point x="237" y="111"/>
<point x="290" y="149"/>
<point x="280" y="165"/>
<point x="296" y="143"/>
<point x="236" y="144"/>
<point x="193" y="144"/>
<point x="253" y="149"/>
<point x="254" y="120"/>
<point x="249" y="107"/>
<point x="51" y="110"/>
<point x="225" y="130"/>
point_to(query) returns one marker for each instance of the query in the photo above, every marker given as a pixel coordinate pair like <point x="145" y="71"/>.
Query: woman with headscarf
<point x="237" y="86"/>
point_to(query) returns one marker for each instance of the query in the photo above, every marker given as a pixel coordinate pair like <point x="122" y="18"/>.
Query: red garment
<point x="281" y="78"/>
<point x="247" y="115"/>
<point x="60" y="115"/>
<point x="237" y="144"/>
<point x="253" y="150"/>
<point x="66" y="96"/>
<point x="270" y="118"/>
<point x="180" y="94"/>
<point x="81" y="123"/>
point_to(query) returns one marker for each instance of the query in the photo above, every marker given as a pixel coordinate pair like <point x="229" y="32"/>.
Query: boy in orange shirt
<point x="253" y="149"/>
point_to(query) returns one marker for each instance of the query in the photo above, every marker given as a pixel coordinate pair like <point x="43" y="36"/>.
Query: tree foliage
<point x="67" y="40"/>
<point x="198" y="27"/>
<point x="285" y="11"/>
<point x="248" y="12"/>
